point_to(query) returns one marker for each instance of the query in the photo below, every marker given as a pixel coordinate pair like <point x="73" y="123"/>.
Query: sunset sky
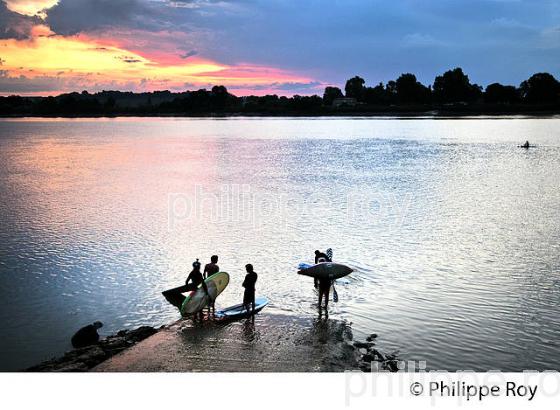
<point x="268" y="46"/>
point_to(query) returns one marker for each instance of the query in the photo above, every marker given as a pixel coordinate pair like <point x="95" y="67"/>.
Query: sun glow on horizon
<point x="47" y="63"/>
<point x="30" y="7"/>
<point x="82" y="62"/>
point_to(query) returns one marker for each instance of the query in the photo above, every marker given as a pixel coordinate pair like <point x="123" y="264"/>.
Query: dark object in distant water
<point x="526" y="145"/>
<point x="87" y="335"/>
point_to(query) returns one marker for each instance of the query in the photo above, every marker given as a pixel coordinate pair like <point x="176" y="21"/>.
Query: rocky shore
<point x="372" y="360"/>
<point x="85" y="358"/>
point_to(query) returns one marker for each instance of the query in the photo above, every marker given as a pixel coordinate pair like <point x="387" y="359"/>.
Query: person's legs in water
<point x="250" y="304"/>
<point x="324" y="290"/>
<point x="210" y="300"/>
<point x="248" y="300"/>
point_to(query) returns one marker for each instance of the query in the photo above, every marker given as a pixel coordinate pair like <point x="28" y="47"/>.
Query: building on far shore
<point x="344" y="102"/>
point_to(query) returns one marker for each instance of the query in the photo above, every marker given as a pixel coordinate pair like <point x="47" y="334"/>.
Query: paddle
<point x="335" y="293"/>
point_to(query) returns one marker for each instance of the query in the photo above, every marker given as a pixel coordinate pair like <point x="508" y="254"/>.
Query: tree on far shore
<point x="454" y="87"/>
<point x="331" y="94"/>
<point x="541" y="92"/>
<point x="355" y="88"/>
<point x="540" y="88"/>
<point x="411" y="91"/>
<point x="497" y="93"/>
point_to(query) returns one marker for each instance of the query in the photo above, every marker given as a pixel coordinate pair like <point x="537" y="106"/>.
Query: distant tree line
<point x="451" y="92"/>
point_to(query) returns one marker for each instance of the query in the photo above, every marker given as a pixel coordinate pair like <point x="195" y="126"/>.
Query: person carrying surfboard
<point x="196" y="279"/>
<point x="320" y="257"/>
<point x="175" y="296"/>
<point x="323" y="285"/>
<point x="210" y="269"/>
<point x="249" y="285"/>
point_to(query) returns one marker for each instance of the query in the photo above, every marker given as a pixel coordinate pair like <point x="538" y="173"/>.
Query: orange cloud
<point x="30" y="7"/>
<point x="86" y="62"/>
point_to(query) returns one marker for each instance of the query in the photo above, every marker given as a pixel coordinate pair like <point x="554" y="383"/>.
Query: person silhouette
<point x="249" y="285"/>
<point x="212" y="267"/>
<point x="319" y="258"/>
<point x="87" y="335"/>
<point x="175" y="296"/>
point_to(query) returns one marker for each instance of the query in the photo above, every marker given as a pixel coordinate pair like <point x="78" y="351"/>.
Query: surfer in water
<point x="210" y="269"/>
<point x="323" y="285"/>
<point x="320" y="257"/>
<point x="249" y="285"/>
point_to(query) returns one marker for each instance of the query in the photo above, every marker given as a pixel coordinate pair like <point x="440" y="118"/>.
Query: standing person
<point x="175" y="296"/>
<point x="249" y="285"/>
<point x="320" y="257"/>
<point x="323" y="285"/>
<point x="210" y="269"/>
<point x="197" y="279"/>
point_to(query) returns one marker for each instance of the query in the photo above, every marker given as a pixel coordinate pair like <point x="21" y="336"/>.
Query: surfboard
<point x="197" y="300"/>
<point x="326" y="270"/>
<point x="239" y="311"/>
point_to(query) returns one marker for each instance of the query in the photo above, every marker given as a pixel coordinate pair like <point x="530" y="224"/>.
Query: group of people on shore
<point x="197" y="278"/>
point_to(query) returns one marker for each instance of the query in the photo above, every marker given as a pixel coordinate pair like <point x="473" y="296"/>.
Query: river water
<point x="453" y="230"/>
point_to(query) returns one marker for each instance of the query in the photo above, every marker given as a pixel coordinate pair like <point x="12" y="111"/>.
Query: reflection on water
<point x="452" y="229"/>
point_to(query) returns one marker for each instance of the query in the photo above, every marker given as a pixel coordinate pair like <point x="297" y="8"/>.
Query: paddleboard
<point x="304" y="265"/>
<point x="326" y="270"/>
<point x="198" y="300"/>
<point x="239" y="311"/>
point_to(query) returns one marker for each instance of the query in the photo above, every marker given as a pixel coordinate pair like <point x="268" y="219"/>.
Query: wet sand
<point x="273" y="343"/>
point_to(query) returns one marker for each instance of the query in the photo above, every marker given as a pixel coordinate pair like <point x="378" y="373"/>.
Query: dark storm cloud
<point x="493" y="40"/>
<point x="15" y="25"/>
<point x="75" y="16"/>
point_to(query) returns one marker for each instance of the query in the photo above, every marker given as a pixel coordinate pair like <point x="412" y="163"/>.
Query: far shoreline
<point x="428" y="115"/>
